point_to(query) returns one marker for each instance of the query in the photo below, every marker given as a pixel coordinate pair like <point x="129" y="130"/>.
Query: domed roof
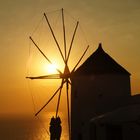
<point x="100" y="63"/>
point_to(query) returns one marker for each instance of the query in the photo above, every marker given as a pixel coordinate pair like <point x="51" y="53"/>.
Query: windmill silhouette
<point x="64" y="75"/>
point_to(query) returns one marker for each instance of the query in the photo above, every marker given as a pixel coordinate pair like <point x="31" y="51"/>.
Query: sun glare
<point x="51" y="69"/>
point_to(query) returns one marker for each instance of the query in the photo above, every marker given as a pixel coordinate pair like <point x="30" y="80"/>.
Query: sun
<point x="51" y="69"/>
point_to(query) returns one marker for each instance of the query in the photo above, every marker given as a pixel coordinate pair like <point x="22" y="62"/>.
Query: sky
<point x="114" y="23"/>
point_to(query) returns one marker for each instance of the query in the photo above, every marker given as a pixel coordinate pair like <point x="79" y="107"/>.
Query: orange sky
<point x="114" y="23"/>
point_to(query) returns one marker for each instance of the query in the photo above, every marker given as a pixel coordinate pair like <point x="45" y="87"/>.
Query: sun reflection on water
<point x="43" y="131"/>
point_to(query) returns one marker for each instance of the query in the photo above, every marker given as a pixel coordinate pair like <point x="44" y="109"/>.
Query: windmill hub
<point x="66" y="74"/>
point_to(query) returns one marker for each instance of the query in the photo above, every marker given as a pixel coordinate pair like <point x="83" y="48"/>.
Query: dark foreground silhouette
<point x="55" y="128"/>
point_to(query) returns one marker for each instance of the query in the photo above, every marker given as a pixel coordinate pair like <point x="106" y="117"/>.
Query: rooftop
<point x="100" y="63"/>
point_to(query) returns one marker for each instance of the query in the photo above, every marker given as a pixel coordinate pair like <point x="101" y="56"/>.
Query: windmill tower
<point x="98" y="79"/>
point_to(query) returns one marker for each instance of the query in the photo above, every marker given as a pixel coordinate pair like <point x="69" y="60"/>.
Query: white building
<point x="120" y="124"/>
<point x="100" y="85"/>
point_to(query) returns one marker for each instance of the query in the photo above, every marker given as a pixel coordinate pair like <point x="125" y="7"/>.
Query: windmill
<point x="64" y="75"/>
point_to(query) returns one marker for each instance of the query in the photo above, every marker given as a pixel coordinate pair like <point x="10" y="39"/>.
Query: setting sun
<point x="51" y="68"/>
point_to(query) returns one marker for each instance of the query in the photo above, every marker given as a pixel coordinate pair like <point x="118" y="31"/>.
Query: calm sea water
<point x="28" y="129"/>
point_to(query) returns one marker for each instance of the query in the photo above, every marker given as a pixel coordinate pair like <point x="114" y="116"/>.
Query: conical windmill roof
<point x="100" y="63"/>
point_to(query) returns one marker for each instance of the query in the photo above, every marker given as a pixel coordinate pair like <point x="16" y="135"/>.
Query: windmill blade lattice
<point x="64" y="75"/>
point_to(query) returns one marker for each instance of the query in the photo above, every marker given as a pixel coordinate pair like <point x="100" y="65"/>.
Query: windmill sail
<point x="66" y="74"/>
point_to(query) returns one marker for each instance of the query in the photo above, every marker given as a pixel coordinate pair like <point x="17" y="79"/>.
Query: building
<point x="99" y="86"/>
<point x="121" y="124"/>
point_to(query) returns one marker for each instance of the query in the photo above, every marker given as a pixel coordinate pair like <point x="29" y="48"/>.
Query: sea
<point x="28" y="128"/>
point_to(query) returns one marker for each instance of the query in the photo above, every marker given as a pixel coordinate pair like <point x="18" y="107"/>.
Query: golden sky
<point x="115" y="23"/>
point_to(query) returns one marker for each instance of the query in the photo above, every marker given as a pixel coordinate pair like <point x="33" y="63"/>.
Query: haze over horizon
<point x="114" y="23"/>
